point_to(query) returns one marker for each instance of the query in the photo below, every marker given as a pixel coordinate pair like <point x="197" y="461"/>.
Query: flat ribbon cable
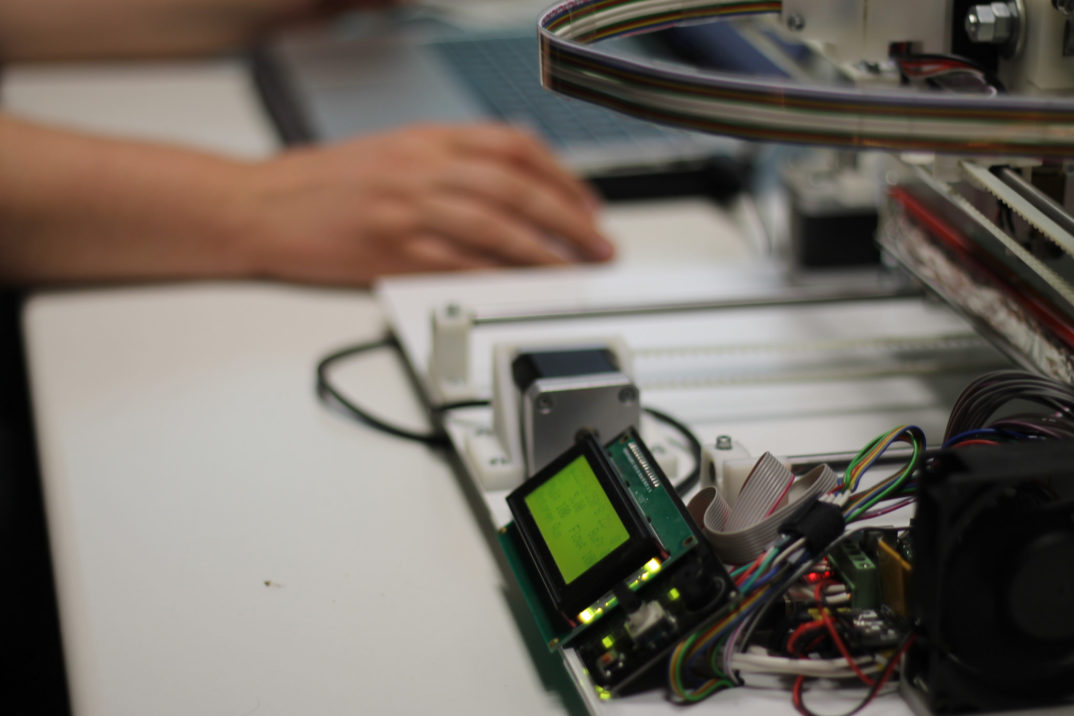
<point x="777" y="109"/>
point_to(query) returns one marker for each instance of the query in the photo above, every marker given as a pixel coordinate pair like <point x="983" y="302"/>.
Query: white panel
<point x="852" y="30"/>
<point x="1041" y="65"/>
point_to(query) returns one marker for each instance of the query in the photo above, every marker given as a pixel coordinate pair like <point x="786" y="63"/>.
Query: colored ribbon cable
<point x="780" y="110"/>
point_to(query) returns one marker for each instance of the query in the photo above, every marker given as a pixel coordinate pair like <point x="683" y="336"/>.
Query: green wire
<point x="760" y="570"/>
<point x="695" y="696"/>
<point x="857" y="459"/>
<point x="740" y="570"/>
<point x="895" y="483"/>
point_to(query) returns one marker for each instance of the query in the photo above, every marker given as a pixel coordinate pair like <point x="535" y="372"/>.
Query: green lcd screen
<point x="576" y="519"/>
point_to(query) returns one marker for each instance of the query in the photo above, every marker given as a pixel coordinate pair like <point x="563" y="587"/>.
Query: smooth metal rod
<point x="803" y="298"/>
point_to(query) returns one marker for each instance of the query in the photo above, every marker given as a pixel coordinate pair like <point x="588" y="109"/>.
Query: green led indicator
<point x="576" y="519"/>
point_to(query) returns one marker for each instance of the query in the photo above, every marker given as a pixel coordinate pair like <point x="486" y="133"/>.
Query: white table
<point x="222" y="543"/>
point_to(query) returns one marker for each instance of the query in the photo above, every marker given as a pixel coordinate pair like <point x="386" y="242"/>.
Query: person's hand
<point x="428" y="198"/>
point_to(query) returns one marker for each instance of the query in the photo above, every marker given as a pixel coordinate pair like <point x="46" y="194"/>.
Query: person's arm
<point x="82" y="208"/>
<point x="76" y="208"/>
<point x="83" y="29"/>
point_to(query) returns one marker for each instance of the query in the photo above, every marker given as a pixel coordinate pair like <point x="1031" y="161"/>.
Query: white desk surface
<point x="223" y="544"/>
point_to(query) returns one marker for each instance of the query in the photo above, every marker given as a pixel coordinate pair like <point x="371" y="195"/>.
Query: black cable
<point x="326" y="390"/>
<point x="985" y="395"/>
<point x="459" y="405"/>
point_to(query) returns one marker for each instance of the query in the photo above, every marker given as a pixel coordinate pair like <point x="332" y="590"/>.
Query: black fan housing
<point x="993" y="578"/>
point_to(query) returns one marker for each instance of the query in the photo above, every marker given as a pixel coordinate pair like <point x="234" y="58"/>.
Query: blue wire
<point x="715" y="638"/>
<point x="910" y="431"/>
<point x="767" y="577"/>
<point x="982" y="432"/>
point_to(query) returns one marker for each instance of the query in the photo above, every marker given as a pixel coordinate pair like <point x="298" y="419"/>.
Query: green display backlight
<point x="576" y="519"/>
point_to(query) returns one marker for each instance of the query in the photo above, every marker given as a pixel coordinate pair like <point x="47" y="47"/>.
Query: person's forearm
<point x="80" y="29"/>
<point x="76" y="208"/>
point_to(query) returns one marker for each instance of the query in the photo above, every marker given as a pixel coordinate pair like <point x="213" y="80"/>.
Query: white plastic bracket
<point x="449" y="359"/>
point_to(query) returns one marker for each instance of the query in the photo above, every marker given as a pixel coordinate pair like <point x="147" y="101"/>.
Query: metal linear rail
<point x="796" y="298"/>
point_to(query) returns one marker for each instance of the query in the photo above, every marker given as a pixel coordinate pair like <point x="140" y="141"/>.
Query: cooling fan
<point x="993" y="580"/>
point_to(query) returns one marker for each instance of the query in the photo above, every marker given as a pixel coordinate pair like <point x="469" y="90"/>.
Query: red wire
<point x="746" y="575"/>
<point x="931" y="67"/>
<point x="796" y="697"/>
<point x="797" y="633"/>
<point x="799" y="703"/>
<point x="975" y="441"/>
<point x="890" y="668"/>
<point x="838" y="640"/>
<point x="938" y="64"/>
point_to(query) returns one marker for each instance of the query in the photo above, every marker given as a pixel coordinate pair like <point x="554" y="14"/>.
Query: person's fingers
<point x="429" y="252"/>
<point x="479" y="226"/>
<point x="520" y="147"/>
<point x="547" y="209"/>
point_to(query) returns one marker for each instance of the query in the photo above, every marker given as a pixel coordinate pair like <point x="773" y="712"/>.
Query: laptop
<point x="371" y="72"/>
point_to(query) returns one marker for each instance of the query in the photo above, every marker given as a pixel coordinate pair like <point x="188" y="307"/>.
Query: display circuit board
<point x="608" y="560"/>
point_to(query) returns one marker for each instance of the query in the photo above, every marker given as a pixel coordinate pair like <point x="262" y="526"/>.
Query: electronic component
<point x="581" y="529"/>
<point x="868" y="630"/>
<point x="608" y="559"/>
<point x="895" y="569"/>
<point x="993" y="543"/>
<point x="543" y="394"/>
<point x="863" y="631"/>
<point x="858" y="572"/>
<point x="564" y="391"/>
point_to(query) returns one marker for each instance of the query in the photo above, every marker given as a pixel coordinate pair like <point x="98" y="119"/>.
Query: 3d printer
<point x="973" y="104"/>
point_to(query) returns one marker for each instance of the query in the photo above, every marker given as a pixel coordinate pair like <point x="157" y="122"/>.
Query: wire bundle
<point x="707" y="660"/>
<point x="946" y="72"/>
<point x="859" y="504"/>
<point x="776" y="109"/>
<point x="831" y="632"/>
<point x="971" y="420"/>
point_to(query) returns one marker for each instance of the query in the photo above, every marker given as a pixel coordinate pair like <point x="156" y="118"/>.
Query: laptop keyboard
<point x="503" y="72"/>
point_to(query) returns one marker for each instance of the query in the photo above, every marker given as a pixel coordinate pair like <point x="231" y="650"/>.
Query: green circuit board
<point x="651" y="494"/>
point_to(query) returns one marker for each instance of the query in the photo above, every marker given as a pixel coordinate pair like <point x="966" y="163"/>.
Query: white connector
<point x="647" y="617"/>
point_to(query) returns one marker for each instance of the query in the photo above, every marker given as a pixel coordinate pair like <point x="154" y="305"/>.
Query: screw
<point x="723" y="442"/>
<point x="795" y="22"/>
<point x="452" y="309"/>
<point x="498" y="460"/>
<point x="545" y="404"/>
<point x="993" y="23"/>
<point x="628" y="395"/>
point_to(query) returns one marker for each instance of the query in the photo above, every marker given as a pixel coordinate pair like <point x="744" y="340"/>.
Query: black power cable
<point x="329" y="393"/>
